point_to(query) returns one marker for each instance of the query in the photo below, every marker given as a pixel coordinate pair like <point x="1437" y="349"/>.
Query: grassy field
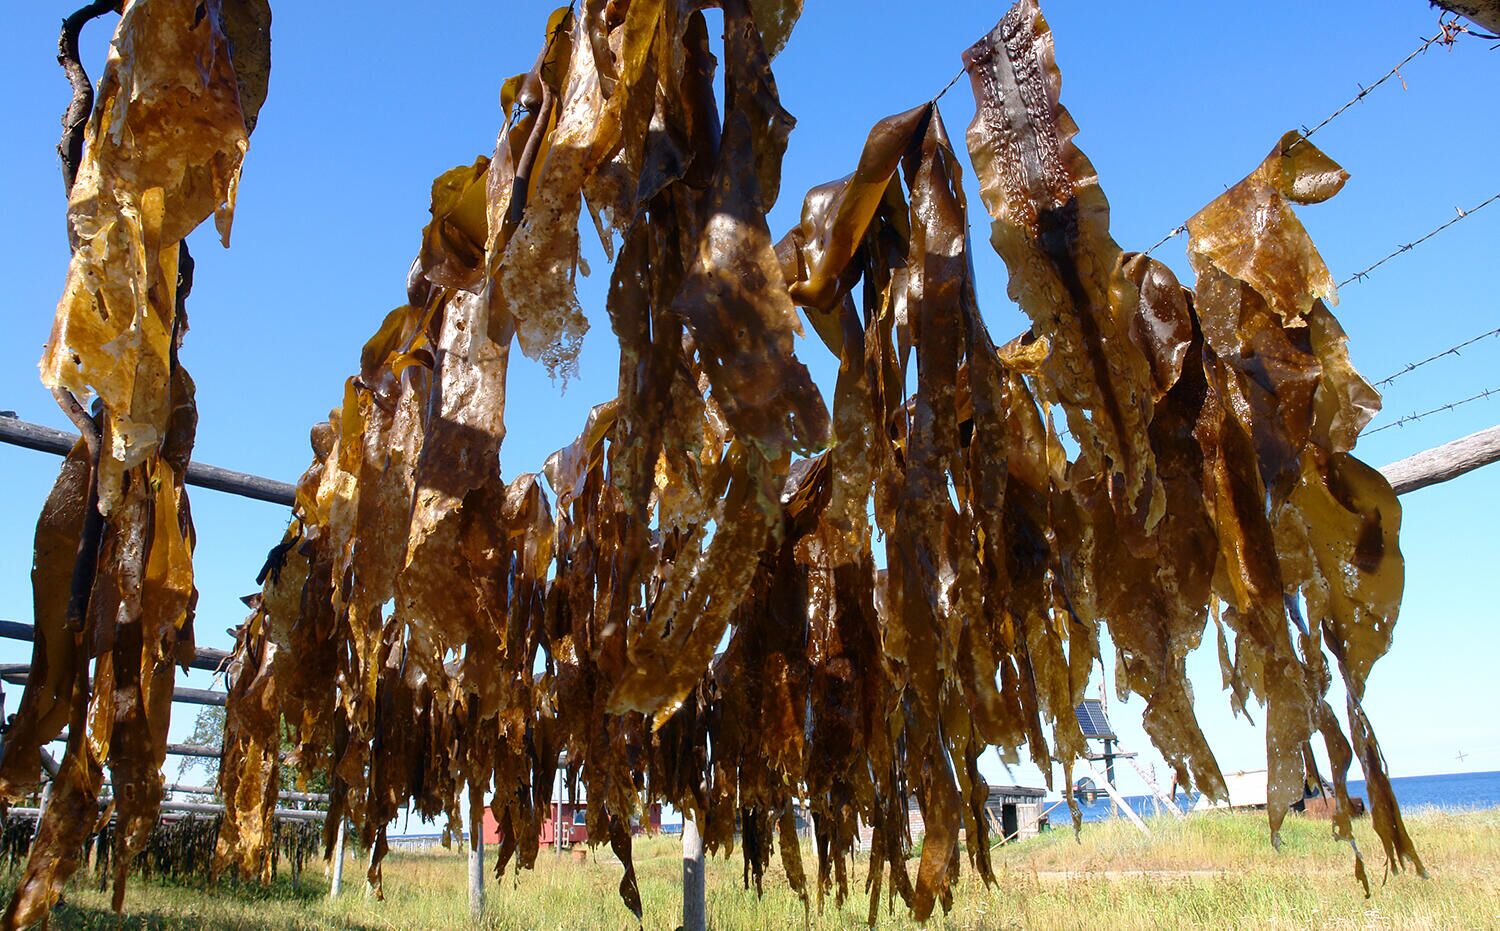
<point x="1210" y="871"/>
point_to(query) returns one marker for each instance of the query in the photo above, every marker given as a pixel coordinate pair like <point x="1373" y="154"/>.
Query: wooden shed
<point x="1014" y="813"/>
<point x="573" y="822"/>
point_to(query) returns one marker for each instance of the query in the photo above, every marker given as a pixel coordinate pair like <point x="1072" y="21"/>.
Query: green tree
<point x="208" y="731"/>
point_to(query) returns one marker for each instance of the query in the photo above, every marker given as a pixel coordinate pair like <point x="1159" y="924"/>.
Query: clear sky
<point x="1175" y="101"/>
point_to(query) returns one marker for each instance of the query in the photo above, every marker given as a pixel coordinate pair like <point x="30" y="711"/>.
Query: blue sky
<point x="1175" y="101"/>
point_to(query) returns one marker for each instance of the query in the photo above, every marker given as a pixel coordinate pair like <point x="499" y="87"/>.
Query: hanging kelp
<point x="699" y="618"/>
<point x="250" y="767"/>
<point x="161" y="150"/>
<point x="1052" y="229"/>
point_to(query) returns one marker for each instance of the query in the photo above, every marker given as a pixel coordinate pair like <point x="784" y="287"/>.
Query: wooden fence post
<point x="337" y="883"/>
<point x="476" y="868"/>
<point x="694" y="905"/>
<point x="369" y="886"/>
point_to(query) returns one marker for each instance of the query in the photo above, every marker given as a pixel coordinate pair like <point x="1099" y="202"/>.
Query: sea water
<point x="1451" y="791"/>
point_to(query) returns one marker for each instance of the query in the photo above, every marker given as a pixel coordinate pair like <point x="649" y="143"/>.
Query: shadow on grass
<point x="84" y="918"/>
<point x="164" y="902"/>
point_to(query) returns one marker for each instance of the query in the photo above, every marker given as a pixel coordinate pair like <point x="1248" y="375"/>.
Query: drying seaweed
<point x="697" y="617"/>
<point x="161" y="150"/>
<point x="698" y="613"/>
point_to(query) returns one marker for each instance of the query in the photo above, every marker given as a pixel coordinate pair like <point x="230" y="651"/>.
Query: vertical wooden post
<point x="557" y="820"/>
<point x="337" y="882"/>
<point x="694" y="904"/>
<point x="369" y="886"/>
<point x="476" y="868"/>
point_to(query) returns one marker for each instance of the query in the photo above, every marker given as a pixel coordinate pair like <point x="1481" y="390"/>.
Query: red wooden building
<point x="573" y="818"/>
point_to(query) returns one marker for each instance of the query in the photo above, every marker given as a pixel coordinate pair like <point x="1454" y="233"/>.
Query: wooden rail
<point x="210" y="790"/>
<point x="205" y="658"/>
<point x="19" y="432"/>
<point x="1445" y="462"/>
<point x="196" y="808"/>
<point x="193" y="750"/>
<point x="1429" y="467"/>
<point x="18" y="673"/>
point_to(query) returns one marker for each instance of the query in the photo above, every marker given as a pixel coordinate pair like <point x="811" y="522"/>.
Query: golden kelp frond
<point x="247" y="26"/>
<point x="1252" y="234"/>
<point x="1299" y="520"/>
<point x="249" y="770"/>
<point x="47" y="701"/>
<point x="151" y="635"/>
<point x="57" y="849"/>
<point x="775" y="20"/>
<point x="1052" y="229"/>
<point x="163" y="152"/>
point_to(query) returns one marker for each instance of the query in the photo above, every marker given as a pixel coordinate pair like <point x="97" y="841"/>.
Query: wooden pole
<point x="369" y="886"/>
<point x="694" y="898"/>
<point x="1484" y="12"/>
<point x="18" y="673"/>
<point x="557" y="838"/>
<point x="1445" y="462"/>
<point x="205" y="658"/>
<point x="476" y="863"/>
<point x="337" y="883"/>
<point x="19" y="432"/>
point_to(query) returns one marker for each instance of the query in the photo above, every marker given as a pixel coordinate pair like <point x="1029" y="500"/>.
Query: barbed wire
<point x="1412" y="418"/>
<point x="1447" y="34"/>
<point x="1461" y="215"/>
<point x="949" y="86"/>
<point x="1450" y="351"/>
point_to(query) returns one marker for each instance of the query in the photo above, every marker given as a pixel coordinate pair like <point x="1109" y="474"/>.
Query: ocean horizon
<point x="1445" y="791"/>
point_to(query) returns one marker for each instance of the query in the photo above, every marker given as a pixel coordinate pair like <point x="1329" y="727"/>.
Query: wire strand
<point x="1450" y="351"/>
<point x="1448" y="33"/>
<point x="949" y="86"/>
<point x="1461" y="215"/>
<point x="1413" y="418"/>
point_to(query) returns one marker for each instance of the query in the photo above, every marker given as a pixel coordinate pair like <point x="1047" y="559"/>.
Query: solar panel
<point x="1091" y="719"/>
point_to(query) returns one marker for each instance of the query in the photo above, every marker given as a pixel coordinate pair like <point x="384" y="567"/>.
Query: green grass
<point x="1209" y="871"/>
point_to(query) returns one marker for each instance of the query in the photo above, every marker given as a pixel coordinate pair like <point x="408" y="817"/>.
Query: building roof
<point x="1016" y="792"/>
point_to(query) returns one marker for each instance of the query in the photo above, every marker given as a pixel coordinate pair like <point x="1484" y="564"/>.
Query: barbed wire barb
<point x="1447" y="34"/>
<point x="1413" y="418"/>
<point x="1460" y="214"/>
<point x="1450" y="351"/>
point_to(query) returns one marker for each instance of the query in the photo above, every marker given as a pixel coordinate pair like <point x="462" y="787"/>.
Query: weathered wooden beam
<point x="211" y="790"/>
<point x="1484" y="12"/>
<point x="49" y="764"/>
<point x="206" y="658"/>
<point x="19" y="432"/>
<point x="197" y="808"/>
<point x="1442" y="463"/>
<point x="18" y="673"/>
<point x="193" y="750"/>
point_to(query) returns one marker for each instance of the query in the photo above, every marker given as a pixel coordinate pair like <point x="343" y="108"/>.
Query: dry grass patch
<point x="1209" y="871"/>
